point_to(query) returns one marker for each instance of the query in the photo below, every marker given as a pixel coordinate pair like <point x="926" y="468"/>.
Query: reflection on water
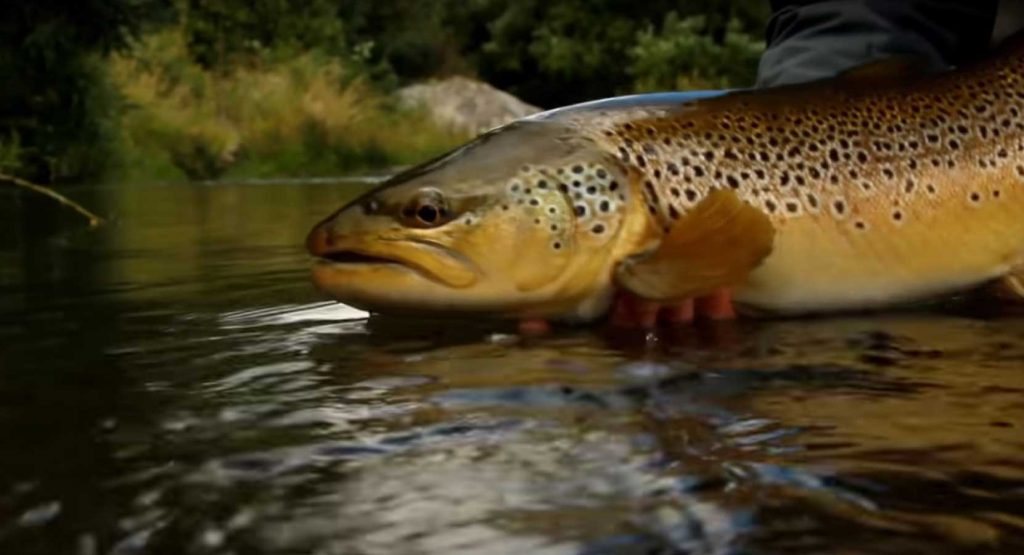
<point x="172" y="384"/>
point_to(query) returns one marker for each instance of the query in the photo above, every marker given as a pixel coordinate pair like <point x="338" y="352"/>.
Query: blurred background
<point x="168" y="90"/>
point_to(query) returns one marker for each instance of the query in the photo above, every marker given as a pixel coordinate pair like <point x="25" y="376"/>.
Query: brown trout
<point x="876" y="187"/>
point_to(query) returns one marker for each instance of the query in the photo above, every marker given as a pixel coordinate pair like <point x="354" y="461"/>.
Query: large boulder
<point x="465" y="105"/>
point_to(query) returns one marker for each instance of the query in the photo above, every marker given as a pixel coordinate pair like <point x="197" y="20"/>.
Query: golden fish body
<point x="880" y="189"/>
<point x="870" y="189"/>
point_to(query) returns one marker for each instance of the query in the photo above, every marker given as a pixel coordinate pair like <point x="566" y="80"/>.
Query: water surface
<point x="171" y="383"/>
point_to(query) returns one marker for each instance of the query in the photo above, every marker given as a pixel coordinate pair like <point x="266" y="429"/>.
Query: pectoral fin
<point x="1009" y="287"/>
<point x="715" y="245"/>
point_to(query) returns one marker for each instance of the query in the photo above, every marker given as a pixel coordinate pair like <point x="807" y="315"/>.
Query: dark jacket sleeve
<point x="814" y="39"/>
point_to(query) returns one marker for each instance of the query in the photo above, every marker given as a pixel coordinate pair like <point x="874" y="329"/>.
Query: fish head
<point x="522" y="222"/>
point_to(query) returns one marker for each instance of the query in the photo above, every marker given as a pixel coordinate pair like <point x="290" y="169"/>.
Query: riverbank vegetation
<point x="204" y="89"/>
<point x="303" y="115"/>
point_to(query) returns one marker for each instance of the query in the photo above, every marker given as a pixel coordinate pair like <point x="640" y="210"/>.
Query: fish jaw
<point x="360" y="285"/>
<point x="347" y="257"/>
<point x="378" y="274"/>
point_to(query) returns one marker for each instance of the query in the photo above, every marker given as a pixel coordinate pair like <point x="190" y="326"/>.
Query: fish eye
<point x="427" y="209"/>
<point x="427" y="213"/>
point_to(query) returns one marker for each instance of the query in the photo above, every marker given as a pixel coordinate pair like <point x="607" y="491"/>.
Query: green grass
<point x="304" y="116"/>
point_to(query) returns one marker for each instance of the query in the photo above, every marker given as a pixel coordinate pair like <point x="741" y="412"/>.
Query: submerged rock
<point x="465" y="105"/>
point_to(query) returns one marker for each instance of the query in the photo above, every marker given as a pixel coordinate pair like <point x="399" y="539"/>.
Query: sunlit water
<point x="172" y="384"/>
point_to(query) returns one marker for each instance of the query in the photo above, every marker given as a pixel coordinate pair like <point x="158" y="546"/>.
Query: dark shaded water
<point x="172" y="384"/>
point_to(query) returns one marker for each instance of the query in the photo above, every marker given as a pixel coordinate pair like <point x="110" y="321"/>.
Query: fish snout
<point x="320" y="241"/>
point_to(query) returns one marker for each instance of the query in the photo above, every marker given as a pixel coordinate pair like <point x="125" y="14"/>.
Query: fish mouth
<point x="350" y="263"/>
<point x="348" y="259"/>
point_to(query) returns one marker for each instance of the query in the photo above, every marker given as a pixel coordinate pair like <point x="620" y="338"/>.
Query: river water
<point x="171" y="383"/>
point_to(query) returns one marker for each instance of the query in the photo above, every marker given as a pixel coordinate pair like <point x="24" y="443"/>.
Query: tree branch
<point x="94" y="220"/>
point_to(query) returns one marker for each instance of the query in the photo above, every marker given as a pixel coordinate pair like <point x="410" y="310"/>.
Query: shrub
<point x="56" y="97"/>
<point x="682" y="55"/>
<point x="305" y="115"/>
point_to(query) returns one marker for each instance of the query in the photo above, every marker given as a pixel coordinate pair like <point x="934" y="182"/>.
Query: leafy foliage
<point x="300" y="116"/>
<point x="226" y="33"/>
<point x="61" y="115"/>
<point x="681" y="57"/>
<point x="56" y="103"/>
<point x="555" y="53"/>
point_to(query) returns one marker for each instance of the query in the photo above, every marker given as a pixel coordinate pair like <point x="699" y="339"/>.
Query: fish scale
<point x="868" y="182"/>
